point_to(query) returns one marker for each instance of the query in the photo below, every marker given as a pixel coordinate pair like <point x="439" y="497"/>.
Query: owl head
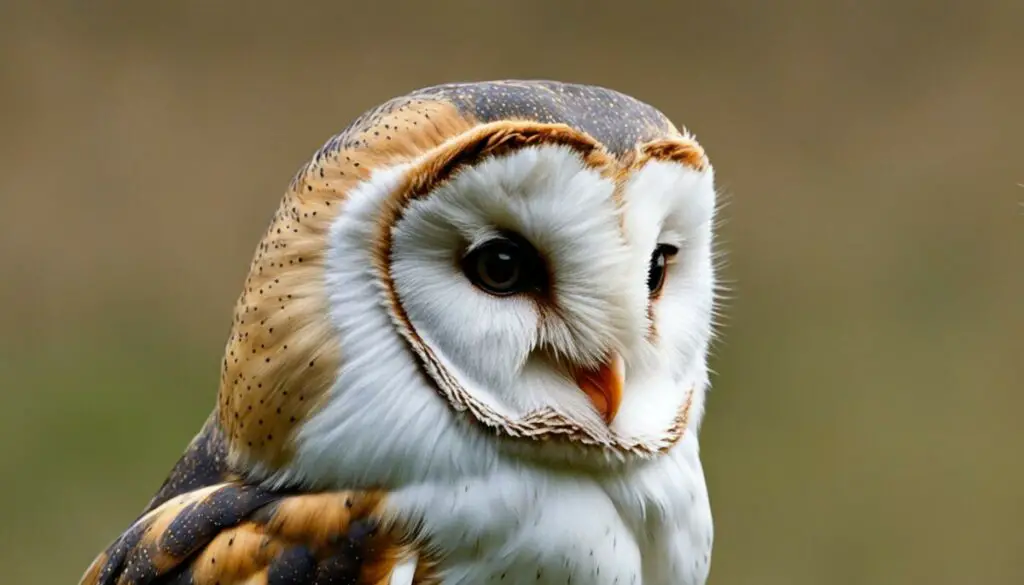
<point x="473" y="272"/>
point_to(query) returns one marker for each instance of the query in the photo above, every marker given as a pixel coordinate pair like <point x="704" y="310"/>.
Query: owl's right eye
<point x="503" y="266"/>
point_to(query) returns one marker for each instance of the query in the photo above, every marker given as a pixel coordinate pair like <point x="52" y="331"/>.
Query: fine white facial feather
<point x="493" y="344"/>
<point x="669" y="203"/>
<point x="484" y="508"/>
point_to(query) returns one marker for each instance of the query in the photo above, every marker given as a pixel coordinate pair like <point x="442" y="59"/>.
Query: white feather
<point x="491" y="513"/>
<point x="403" y="572"/>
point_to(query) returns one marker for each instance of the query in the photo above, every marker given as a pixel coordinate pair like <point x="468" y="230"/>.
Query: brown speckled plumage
<point x="282" y="355"/>
<point x="207" y="525"/>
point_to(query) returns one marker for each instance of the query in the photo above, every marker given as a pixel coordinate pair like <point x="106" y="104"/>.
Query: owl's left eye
<point x="659" y="265"/>
<point x="503" y="266"/>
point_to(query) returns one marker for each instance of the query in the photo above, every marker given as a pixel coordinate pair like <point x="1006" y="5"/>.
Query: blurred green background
<point x="866" y="420"/>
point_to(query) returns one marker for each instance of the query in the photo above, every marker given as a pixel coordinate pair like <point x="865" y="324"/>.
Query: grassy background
<point x="865" y="425"/>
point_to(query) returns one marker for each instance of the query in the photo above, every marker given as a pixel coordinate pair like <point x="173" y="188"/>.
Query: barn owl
<point x="471" y="348"/>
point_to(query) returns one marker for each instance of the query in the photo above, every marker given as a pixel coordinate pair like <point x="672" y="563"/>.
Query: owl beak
<point x="604" y="386"/>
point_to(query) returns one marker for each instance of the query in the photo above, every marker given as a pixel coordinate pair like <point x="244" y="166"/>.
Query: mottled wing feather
<point x="235" y="534"/>
<point x="204" y="463"/>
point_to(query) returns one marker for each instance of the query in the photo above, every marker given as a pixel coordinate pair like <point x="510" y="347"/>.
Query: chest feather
<point x="529" y="526"/>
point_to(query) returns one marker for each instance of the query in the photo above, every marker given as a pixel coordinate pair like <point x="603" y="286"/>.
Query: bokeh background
<point x="866" y="421"/>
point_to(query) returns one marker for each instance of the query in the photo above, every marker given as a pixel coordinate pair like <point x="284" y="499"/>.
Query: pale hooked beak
<point x="604" y="386"/>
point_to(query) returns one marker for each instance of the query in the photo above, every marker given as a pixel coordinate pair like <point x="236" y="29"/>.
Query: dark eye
<point x="503" y="266"/>
<point x="659" y="263"/>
